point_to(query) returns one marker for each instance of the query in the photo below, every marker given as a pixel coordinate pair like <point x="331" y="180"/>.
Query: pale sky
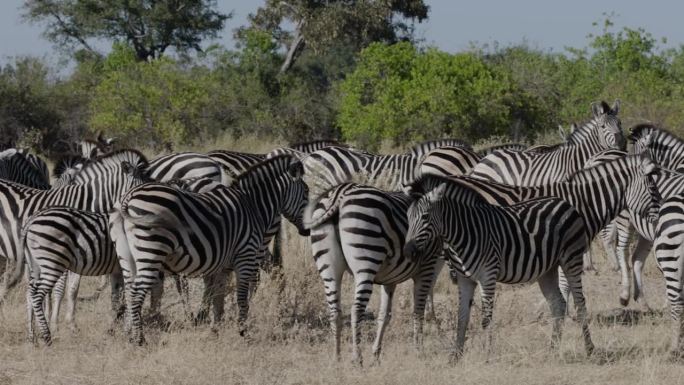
<point x="452" y="25"/>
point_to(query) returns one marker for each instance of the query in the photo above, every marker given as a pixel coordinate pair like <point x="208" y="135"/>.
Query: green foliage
<point x="398" y="92"/>
<point x="148" y="103"/>
<point x="150" y="27"/>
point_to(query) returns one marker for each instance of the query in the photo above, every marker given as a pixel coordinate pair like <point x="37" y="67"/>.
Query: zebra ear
<point x="296" y="170"/>
<point x="8" y="153"/>
<point x="648" y="166"/>
<point x="127" y="167"/>
<point x="599" y="109"/>
<point x="561" y="132"/>
<point x="616" y="107"/>
<point x="93" y="153"/>
<point x="437" y="193"/>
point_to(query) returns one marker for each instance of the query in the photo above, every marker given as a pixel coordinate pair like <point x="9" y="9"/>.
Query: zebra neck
<point x="266" y="199"/>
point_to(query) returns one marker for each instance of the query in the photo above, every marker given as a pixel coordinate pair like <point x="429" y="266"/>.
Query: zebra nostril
<point x="410" y="250"/>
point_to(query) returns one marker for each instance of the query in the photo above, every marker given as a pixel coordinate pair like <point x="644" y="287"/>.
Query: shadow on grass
<point x="626" y="317"/>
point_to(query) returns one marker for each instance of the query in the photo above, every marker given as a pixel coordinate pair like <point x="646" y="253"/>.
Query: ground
<point x="289" y="341"/>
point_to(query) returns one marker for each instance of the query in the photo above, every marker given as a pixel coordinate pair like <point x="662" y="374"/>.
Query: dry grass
<point x="290" y="343"/>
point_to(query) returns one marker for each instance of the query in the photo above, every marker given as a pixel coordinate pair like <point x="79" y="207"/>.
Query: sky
<point x="452" y="24"/>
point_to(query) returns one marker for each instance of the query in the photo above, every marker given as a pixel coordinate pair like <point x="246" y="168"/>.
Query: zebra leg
<point x="30" y="332"/>
<point x="156" y="294"/>
<point x="57" y="294"/>
<point x="670" y="258"/>
<point x="466" y="291"/>
<point x="184" y="292"/>
<point x="73" y="284"/>
<point x="117" y="287"/>
<point x="331" y="265"/>
<point x="38" y="293"/>
<point x="548" y="283"/>
<point x="573" y="273"/>
<point x="641" y="251"/>
<point x="423" y="285"/>
<point x="607" y="236"/>
<point x="587" y="261"/>
<point x="487" y="291"/>
<point x="384" y="317"/>
<point x="136" y="297"/>
<point x="245" y="276"/>
<point x="363" y="281"/>
<point x="623" y="229"/>
<point x="218" y="302"/>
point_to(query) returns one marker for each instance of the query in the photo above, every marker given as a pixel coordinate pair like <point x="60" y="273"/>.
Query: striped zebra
<point x="600" y="193"/>
<point x="186" y="165"/>
<point x="61" y="239"/>
<point x="16" y="167"/>
<point x="361" y="229"/>
<point x="158" y="228"/>
<point x="524" y="242"/>
<point x="99" y="184"/>
<point x="602" y="132"/>
<point x="506" y="146"/>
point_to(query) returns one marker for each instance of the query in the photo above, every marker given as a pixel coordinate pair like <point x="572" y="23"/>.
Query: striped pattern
<point x="16" y="166"/>
<point x="158" y="227"/>
<point x="513" y="244"/>
<point x="96" y="188"/>
<point x="185" y="165"/>
<point x="525" y="168"/>
<point x="361" y="229"/>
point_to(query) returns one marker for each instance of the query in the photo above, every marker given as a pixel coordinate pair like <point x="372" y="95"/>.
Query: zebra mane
<point x="280" y="163"/>
<point x="67" y="162"/>
<point x="425" y="183"/>
<point x="329" y="142"/>
<point x="642" y="129"/>
<point x="434" y="143"/>
<point x="506" y="146"/>
<point x="587" y="174"/>
<point x="114" y="158"/>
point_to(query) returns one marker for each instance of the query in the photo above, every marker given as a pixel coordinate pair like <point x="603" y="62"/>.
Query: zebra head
<point x="609" y="125"/>
<point x="424" y="221"/>
<point x="642" y="136"/>
<point x="296" y="198"/>
<point x="644" y="197"/>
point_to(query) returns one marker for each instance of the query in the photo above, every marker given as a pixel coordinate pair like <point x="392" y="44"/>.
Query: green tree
<point x="398" y="92"/>
<point x="321" y="25"/>
<point x="149" y="103"/>
<point x="150" y="27"/>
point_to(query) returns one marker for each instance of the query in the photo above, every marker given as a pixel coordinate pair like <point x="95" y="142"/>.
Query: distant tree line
<point x="303" y="70"/>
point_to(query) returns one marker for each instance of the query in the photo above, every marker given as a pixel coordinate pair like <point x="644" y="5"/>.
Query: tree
<point x="149" y="26"/>
<point x="320" y="25"/>
<point x="398" y="92"/>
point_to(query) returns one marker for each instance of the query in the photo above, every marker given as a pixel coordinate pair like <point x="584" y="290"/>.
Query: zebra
<point x="157" y="228"/>
<point x="666" y="148"/>
<point x="361" y="229"/>
<point x="187" y="165"/>
<point x="600" y="193"/>
<point x="58" y="239"/>
<point x="602" y="132"/>
<point x="99" y="184"/>
<point x="506" y="146"/>
<point x="16" y="167"/>
<point x="520" y="243"/>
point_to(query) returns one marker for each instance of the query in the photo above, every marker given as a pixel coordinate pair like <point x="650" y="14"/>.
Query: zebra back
<point x="602" y="132"/>
<point x="15" y="166"/>
<point x="666" y="148"/>
<point x="186" y="165"/>
<point x="423" y="148"/>
<point x="506" y="146"/>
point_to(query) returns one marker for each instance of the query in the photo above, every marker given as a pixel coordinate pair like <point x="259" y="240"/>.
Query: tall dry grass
<point x="289" y="341"/>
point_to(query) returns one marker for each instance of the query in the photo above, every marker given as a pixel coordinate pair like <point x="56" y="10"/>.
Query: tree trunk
<point x="293" y="53"/>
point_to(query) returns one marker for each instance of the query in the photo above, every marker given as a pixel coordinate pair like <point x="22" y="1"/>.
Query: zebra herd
<point x="509" y="214"/>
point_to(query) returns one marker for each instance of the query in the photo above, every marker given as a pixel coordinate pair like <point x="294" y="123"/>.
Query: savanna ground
<point x="290" y="341"/>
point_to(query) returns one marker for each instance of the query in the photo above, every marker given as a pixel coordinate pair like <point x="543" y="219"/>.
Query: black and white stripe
<point x="15" y="166"/>
<point x="99" y="184"/>
<point x="531" y="168"/>
<point x="520" y="243"/>
<point x="186" y="165"/>
<point x="159" y="228"/>
<point x="361" y="229"/>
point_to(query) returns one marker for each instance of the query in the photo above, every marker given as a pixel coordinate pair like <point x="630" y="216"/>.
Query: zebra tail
<point x="327" y="205"/>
